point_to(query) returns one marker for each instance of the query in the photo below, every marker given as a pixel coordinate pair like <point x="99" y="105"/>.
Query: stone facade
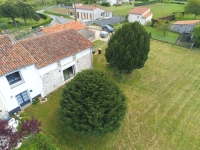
<point x="54" y="79"/>
<point x="84" y="62"/>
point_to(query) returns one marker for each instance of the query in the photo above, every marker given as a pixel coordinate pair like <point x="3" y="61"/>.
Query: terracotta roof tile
<point x="87" y="7"/>
<point x="13" y="56"/>
<point x="187" y="22"/>
<point x="76" y="25"/>
<point x="49" y="48"/>
<point x="139" y="10"/>
<point x="147" y="15"/>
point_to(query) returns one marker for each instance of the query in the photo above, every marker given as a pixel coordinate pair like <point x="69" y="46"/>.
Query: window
<point x="23" y="98"/>
<point x="14" y="78"/>
<point x="68" y="73"/>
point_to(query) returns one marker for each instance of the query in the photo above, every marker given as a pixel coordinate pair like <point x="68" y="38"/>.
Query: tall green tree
<point x="10" y="10"/>
<point x="92" y="103"/>
<point x="26" y="11"/>
<point x="193" y="7"/>
<point x="128" y="48"/>
<point x="196" y="34"/>
<point x="163" y="26"/>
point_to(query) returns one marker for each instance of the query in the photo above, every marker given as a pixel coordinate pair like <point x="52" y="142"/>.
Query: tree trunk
<point x="164" y="34"/>
<point x="25" y="21"/>
<point x="75" y="17"/>
<point x="14" y="22"/>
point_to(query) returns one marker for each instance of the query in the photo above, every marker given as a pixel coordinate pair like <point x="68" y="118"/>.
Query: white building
<point x="37" y="66"/>
<point x="185" y="26"/>
<point x="92" y="13"/>
<point x="140" y="14"/>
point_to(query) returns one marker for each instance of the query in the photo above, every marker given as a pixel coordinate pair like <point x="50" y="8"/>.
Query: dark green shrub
<point x="105" y="4"/>
<point x="47" y="21"/>
<point x="35" y="101"/>
<point x="2" y="26"/>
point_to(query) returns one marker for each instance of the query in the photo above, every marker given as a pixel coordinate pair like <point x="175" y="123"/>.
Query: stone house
<point x="140" y="14"/>
<point x="92" y="13"/>
<point x="185" y="26"/>
<point x="39" y="65"/>
<point x="76" y="25"/>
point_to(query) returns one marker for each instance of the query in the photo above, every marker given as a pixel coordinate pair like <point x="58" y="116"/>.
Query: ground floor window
<point x="23" y="98"/>
<point x="68" y="73"/>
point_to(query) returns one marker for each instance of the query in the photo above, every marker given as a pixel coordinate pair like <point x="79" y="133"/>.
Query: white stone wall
<point x="84" y="62"/>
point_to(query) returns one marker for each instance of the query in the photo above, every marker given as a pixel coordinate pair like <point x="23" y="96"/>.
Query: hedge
<point x="47" y="20"/>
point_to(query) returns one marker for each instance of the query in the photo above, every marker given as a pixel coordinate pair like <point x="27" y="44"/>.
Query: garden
<point x="162" y="105"/>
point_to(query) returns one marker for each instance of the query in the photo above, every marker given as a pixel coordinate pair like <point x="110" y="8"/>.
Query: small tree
<point x="163" y="26"/>
<point x="10" y="10"/>
<point x="26" y="11"/>
<point x="92" y="103"/>
<point x="36" y="17"/>
<point x="128" y="48"/>
<point x="193" y="7"/>
<point x="196" y="34"/>
<point x="178" y="16"/>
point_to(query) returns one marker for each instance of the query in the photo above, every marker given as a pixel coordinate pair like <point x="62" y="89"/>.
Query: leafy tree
<point x="196" y="34"/>
<point x="178" y="16"/>
<point x="193" y="7"/>
<point x="163" y="26"/>
<point x="128" y="48"/>
<point x="10" y="10"/>
<point x="26" y="11"/>
<point x="92" y="104"/>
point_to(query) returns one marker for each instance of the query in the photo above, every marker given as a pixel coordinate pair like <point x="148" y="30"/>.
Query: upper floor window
<point x="14" y="78"/>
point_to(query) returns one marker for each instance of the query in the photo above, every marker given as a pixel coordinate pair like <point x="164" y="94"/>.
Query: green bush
<point x="35" y="101"/>
<point x="47" y="21"/>
<point x="105" y="4"/>
<point x="39" y="141"/>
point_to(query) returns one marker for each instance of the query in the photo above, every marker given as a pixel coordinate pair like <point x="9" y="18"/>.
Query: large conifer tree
<point x="92" y="103"/>
<point x="128" y="47"/>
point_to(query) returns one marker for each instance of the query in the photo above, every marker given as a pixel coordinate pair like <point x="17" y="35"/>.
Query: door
<point x="23" y="98"/>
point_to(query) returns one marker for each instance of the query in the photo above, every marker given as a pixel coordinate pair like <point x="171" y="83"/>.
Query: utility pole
<point x="75" y="17"/>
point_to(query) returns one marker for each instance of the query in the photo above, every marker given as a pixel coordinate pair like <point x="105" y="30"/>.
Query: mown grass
<point x="163" y="105"/>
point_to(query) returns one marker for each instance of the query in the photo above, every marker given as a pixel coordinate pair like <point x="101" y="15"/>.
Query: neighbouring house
<point x="37" y="66"/>
<point x="185" y="26"/>
<point x="92" y="13"/>
<point x="76" y="25"/>
<point x="140" y="14"/>
<point x="113" y="2"/>
<point x="77" y="4"/>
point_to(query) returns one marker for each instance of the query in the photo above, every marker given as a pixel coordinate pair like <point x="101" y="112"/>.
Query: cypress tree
<point x="128" y="48"/>
<point x="92" y="103"/>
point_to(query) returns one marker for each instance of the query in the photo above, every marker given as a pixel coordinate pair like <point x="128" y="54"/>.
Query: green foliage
<point x="35" y="101"/>
<point x="193" y="7"/>
<point x="163" y="26"/>
<point x="39" y="141"/>
<point x="128" y="48"/>
<point x="24" y="116"/>
<point x="26" y="11"/>
<point x="2" y="26"/>
<point x="47" y="21"/>
<point x="92" y="104"/>
<point x="178" y="16"/>
<point x="9" y="10"/>
<point x="196" y="33"/>
<point x="36" y="17"/>
<point x="107" y="4"/>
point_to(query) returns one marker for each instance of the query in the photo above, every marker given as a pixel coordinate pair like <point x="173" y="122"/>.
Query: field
<point x="163" y="105"/>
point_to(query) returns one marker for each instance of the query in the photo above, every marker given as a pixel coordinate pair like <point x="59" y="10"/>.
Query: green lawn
<point x="170" y="37"/>
<point x="163" y="105"/>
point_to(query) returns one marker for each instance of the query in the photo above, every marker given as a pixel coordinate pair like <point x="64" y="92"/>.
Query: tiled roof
<point x="187" y="22"/>
<point x="76" y="25"/>
<point x="147" y="15"/>
<point x="13" y="56"/>
<point x="49" y="48"/>
<point x="87" y="7"/>
<point x="139" y="10"/>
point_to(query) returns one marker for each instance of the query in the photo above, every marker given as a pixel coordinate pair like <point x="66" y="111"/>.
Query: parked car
<point x="107" y="28"/>
<point x="104" y="34"/>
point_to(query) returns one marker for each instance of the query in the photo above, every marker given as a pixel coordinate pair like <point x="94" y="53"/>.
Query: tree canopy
<point x="26" y="11"/>
<point x="163" y="26"/>
<point x="128" y="47"/>
<point x="9" y="10"/>
<point x="92" y="103"/>
<point x="193" y="7"/>
<point x="196" y="33"/>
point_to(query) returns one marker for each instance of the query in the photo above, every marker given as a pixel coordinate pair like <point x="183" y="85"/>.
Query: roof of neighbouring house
<point x="147" y="15"/>
<point x="49" y="48"/>
<point x="139" y="10"/>
<point x="87" y="7"/>
<point x="186" y="22"/>
<point x="13" y="56"/>
<point x="76" y="25"/>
